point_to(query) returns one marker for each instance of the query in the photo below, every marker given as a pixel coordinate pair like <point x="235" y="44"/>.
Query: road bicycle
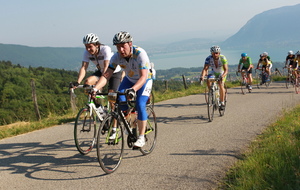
<point x="290" y="79"/>
<point x="245" y="86"/>
<point x="110" y="150"/>
<point x="262" y="78"/>
<point x="88" y="120"/>
<point x="213" y="98"/>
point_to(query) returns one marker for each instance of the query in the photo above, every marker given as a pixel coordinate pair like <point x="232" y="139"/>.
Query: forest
<point x="16" y="103"/>
<point x="51" y="89"/>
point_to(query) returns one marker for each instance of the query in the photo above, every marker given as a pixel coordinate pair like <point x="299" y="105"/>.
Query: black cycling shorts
<point x="249" y="72"/>
<point x="114" y="81"/>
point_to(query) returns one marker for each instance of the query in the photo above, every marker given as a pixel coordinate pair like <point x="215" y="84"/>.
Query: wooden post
<point x="184" y="82"/>
<point x="73" y="102"/>
<point x="166" y="84"/>
<point x="277" y="72"/>
<point x="36" y="106"/>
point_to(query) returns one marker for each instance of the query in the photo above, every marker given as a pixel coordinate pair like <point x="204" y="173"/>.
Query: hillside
<point x="273" y="28"/>
<point x="52" y="57"/>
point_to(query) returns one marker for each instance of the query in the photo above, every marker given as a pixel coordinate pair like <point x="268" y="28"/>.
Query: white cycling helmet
<point x="215" y="49"/>
<point x="265" y="54"/>
<point x="90" y="39"/>
<point x="122" y="37"/>
<point x="290" y="52"/>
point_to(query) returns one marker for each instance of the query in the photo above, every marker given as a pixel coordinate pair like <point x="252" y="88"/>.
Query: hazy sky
<point x="63" y="23"/>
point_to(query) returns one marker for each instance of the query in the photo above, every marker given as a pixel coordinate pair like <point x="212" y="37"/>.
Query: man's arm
<point x="141" y="81"/>
<point x="82" y="71"/>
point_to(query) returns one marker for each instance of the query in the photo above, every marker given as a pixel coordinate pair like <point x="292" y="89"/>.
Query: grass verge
<point x="25" y="127"/>
<point x="272" y="162"/>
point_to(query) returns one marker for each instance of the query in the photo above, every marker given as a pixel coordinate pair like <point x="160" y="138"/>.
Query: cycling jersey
<point x="265" y="62"/>
<point x="296" y="62"/>
<point x="246" y="63"/>
<point x="290" y="60"/>
<point x="221" y="62"/>
<point x="104" y="53"/>
<point x="139" y="60"/>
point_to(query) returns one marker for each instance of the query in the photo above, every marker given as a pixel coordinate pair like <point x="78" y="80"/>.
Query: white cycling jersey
<point x="104" y="53"/>
<point x="138" y="61"/>
<point x="219" y="68"/>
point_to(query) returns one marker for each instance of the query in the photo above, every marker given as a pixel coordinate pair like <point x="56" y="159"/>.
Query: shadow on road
<point x="36" y="161"/>
<point x="212" y="152"/>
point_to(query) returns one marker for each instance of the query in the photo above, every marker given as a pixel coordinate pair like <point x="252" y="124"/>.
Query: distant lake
<point x="196" y="58"/>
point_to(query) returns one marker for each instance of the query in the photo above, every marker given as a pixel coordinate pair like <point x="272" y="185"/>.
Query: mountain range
<point x="273" y="28"/>
<point x="275" y="31"/>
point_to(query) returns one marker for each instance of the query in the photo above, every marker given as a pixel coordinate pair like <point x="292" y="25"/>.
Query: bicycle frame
<point x="91" y="104"/>
<point x="245" y="81"/>
<point x="110" y="143"/>
<point x="260" y="78"/>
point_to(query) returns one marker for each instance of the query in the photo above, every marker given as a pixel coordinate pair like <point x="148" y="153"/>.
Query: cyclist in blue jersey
<point x="219" y="68"/>
<point x="138" y="78"/>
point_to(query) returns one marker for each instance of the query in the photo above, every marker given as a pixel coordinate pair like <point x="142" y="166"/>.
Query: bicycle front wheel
<point x="244" y="87"/>
<point x="150" y="132"/>
<point x="110" y="145"/>
<point x="210" y="105"/>
<point x="85" y="131"/>
<point x="288" y="81"/>
<point x="222" y="111"/>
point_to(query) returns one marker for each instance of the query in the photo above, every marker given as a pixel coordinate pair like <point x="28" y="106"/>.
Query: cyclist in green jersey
<point x="247" y="66"/>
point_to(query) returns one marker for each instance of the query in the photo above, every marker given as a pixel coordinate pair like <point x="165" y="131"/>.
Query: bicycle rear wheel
<point x="150" y="133"/>
<point x="150" y="101"/>
<point x="268" y="81"/>
<point x="110" y="151"/>
<point x="210" y="105"/>
<point x="85" y="131"/>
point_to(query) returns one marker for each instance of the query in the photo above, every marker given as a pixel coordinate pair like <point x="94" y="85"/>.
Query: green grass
<point x="273" y="161"/>
<point x="25" y="127"/>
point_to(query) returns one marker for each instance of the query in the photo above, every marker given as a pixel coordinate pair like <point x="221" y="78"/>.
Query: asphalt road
<point x="191" y="153"/>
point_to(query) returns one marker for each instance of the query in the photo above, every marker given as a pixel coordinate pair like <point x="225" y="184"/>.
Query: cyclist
<point x="136" y="64"/>
<point x="247" y="66"/>
<point x="219" y="66"/>
<point x="266" y="63"/>
<point x="289" y="60"/>
<point x="296" y="67"/>
<point x="100" y="55"/>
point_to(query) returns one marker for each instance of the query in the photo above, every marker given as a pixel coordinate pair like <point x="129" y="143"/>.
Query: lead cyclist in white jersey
<point x="138" y="78"/>
<point x="219" y="68"/>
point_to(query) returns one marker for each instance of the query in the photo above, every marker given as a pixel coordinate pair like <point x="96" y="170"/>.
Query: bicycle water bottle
<point x="100" y="111"/>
